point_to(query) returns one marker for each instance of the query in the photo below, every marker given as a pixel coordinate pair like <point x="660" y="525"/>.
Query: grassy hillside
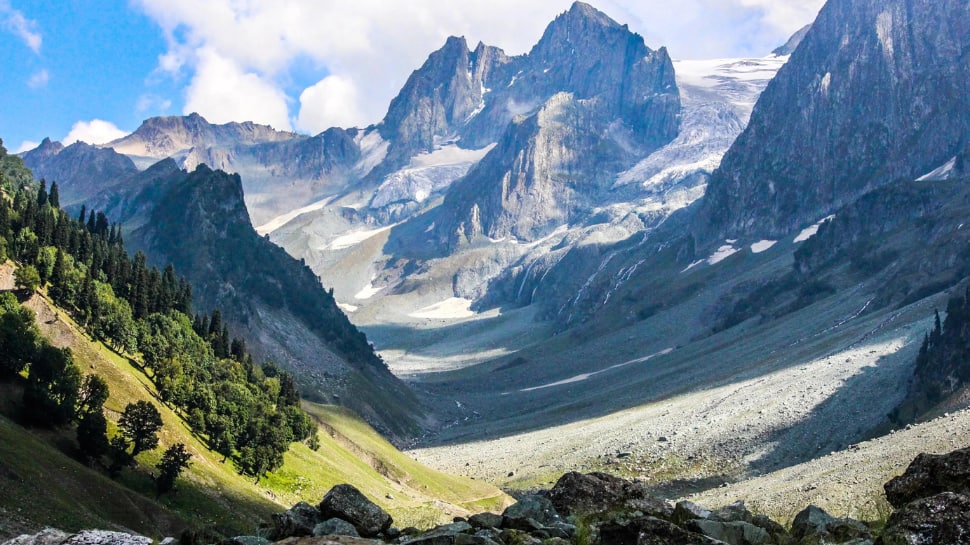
<point x="43" y="485"/>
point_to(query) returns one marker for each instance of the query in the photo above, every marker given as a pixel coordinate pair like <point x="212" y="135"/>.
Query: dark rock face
<point x="299" y="520"/>
<point x="536" y="508"/>
<point x="335" y="526"/>
<point x="936" y="520"/>
<point x="578" y="494"/>
<point x="878" y="90"/>
<point x="930" y="474"/>
<point x="346" y="502"/>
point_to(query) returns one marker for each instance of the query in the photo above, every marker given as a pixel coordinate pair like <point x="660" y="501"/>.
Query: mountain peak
<point x="583" y="12"/>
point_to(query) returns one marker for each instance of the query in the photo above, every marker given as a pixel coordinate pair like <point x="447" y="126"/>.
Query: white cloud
<point x="222" y="92"/>
<point x="332" y="102"/>
<point x="26" y="145"/>
<point x="96" y="131"/>
<point x="39" y="79"/>
<point x="152" y="104"/>
<point x="369" y="47"/>
<point x="15" y="22"/>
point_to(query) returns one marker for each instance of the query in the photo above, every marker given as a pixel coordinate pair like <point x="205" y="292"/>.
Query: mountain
<point x="877" y="91"/>
<point x="83" y="166"/>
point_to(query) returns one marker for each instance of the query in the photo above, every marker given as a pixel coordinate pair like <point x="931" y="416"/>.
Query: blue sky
<point x="93" y="70"/>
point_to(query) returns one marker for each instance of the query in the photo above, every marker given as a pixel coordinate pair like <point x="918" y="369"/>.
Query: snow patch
<point x="942" y="172"/>
<point x="451" y="308"/>
<point x="347" y="307"/>
<point x="721" y="254"/>
<point x="884" y="29"/>
<point x="427" y="174"/>
<point x="762" y="246"/>
<point x="585" y="376"/>
<point x="373" y="151"/>
<point x="811" y="231"/>
<point x="826" y="82"/>
<point x="368" y="291"/>
<point x="354" y="238"/>
<point x="280" y="221"/>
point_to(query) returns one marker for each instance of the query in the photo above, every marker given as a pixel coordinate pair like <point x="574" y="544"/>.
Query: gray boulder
<point x="688" y="510"/>
<point x="245" y="540"/>
<point x="296" y="521"/>
<point x="736" y="512"/>
<point x="346" y="502"/>
<point x="102" y="537"/>
<point x="578" y="494"/>
<point x="732" y="533"/>
<point x="650" y="531"/>
<point x="937" y="520"/>
<point x="486" y="520"/>
<point x="335" y="526"/>
<point x="814" y="526"/>
<point x="47" y="536"/>
<point x="537" y="508"/>
<point x="930" y="474"/>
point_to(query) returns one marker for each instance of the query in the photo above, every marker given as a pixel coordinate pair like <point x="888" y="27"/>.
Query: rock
<point x="568" y="529"/>
<point x="296" y="521"/>
<point x="814" y="526"/>
<point x="538" y="508"/>
<point x="650" y="531"/>
<point x="937" y="520"/>
<point x="687" y="510"/>
<point x="736" y="512"/>
<point x="346" y="502"/>
<point x="775" y="530"/>
<point x="516" y="537"/>
<point x="733" y="533"/>
<point x="527" y="524"/>
<point x="456" y="533"/>
<point x="168" y="541"/>
<point x="101" y="537"/>
<point x="47" y="536"/>
<point x="486" y="520"/>
<point x="335" y="526"/>
<point x="577" y="494"/>
<point x="246" y="540"/>
<point x="329" y="540"/>
<point x="930" y="474"/>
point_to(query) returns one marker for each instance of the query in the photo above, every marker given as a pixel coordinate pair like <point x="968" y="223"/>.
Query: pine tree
<point x="175" y="459"/>
<point x="54" y="197"/>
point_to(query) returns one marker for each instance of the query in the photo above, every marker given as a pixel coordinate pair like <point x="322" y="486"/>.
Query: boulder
<point x="516" y="537"/>
<point x="930" y="474"/>
<point x="814" y="526"/>
<point x="537" y="508"/>
<point x="296" y="521"/>
<point x="736" y="512"/>
<point x="687" y="510"/>
<point x="937" y="520"/>
<point x="102" y="537"/>
<point x="245" y="540"/>
<point x="732" y="533"/>
<point x="329" y="540"/>
<point x="335" y="527"/>
<point x="485" y="520"/>
<point x="579" y="494"/>
<point x="346" y="502"/>
<point x="47" y="536"/>
<point x="650" y="531"/>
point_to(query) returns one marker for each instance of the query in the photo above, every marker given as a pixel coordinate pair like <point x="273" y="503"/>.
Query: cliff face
<point x="878" y="90"/>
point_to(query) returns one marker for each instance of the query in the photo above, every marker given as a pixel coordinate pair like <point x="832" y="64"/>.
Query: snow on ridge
<point x="811" y="231"/>
<point x="368" y="291"/>
<point x="585" y="376"/>
<point x="722" y="253"/>
<point x="942" y="172"/>
<point x="426" y="174"/>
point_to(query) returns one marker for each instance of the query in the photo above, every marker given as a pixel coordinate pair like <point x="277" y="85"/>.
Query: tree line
<point x="247" y="412"/>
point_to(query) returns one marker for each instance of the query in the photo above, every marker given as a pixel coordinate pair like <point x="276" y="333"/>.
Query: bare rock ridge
<point x="878" y="90"/>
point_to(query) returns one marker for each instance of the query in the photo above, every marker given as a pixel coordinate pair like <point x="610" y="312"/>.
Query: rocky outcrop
<point x="577" y="494"/>
<point x="80" y="170"/>
<point x="877" y="91"/>
<point x="936" y="520"/>
<point x="347" y="503"/>
<point x="814" y="525"/>
<point x="51" y="536"/>
<point x="931" y="474"/>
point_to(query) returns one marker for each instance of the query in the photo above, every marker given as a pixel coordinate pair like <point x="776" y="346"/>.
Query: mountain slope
<point x="51" y="488"/>
<point x="199" y="224"/>
<point x="877" y="91"/>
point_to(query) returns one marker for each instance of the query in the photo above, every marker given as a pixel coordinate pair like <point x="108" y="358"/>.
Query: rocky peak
<point x="879" y="90"/>
<point x="792" y="44"/>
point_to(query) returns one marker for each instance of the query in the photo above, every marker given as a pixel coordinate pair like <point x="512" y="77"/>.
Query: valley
<point x="723" y="279"/>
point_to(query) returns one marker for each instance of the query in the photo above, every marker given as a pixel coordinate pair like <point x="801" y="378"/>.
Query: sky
<point x="92" y="70"/>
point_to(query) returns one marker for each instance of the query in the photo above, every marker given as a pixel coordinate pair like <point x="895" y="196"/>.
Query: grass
<point x="42" y="485"/>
